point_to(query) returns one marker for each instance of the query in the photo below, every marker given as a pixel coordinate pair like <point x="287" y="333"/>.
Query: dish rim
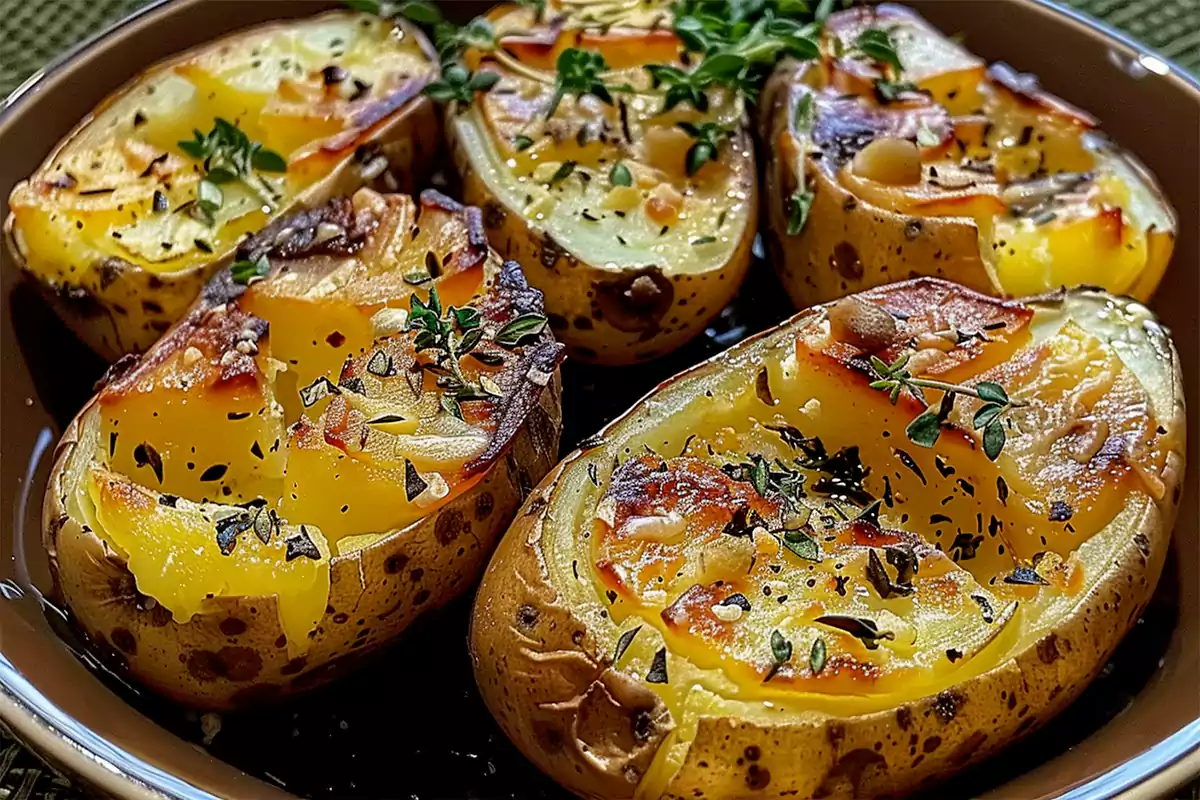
<point x="87" y="756"/>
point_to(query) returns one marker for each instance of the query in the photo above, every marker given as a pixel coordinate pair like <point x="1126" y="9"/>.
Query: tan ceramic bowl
<point x="411" y="724"/>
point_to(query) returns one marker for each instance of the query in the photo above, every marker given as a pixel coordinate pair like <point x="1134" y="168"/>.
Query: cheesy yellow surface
<point x="95" y="199"/>
<point x="681" y="545"/>
<point x="664" y="217"/>
<point x="201" y="464"/>
<point x="1055" y="203"/>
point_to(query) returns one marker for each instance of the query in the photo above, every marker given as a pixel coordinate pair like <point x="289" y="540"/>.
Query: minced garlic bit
<point x="727" y="613"/>
<point x="388" y="321"/>
<point x="436" y="491"/>
<point x="191" y="355"/>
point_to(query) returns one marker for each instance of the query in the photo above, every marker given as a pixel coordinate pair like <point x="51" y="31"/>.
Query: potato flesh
<point x="604" y="223"/>
<point x="149" y="420"/>
<point x="334" y="471"/>
<point x="172" y="552"/>
<point x="271" y="83"/>
<point x="649" y="535"/>
<point x="1112" y="230"/>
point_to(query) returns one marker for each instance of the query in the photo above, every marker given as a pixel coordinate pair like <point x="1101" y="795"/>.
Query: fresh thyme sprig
<point x="450" y="337"/>
<point x="229" y="155"/>
<point x="580" y="72"/>
<point x="453" y="333"/>
<point x="458" y="84"/>
<point x="894" y="378"/>
<point x="707" y="138"/>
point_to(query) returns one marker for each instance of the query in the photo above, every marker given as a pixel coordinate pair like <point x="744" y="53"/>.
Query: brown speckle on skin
<point x="232" y="626"/>
<point x="635" y="302"/>
<point x="124" y="640"/>
<point x="931" y="744"/>
<point x="757" y="778"/>
<point x="548" y="738"/>
<point x="483" y="506"/>
<point x="236" y="664"/>
<point x="1047" y="649"/>
<point x="845" y="260"/>
<point x="395" y="563"/>
<point x="947" y="705"/>
<point x="904" y="717"/>
<point x="294" y="666"/>
<point x="527" y="617"/>
<point x="450" y="523"/>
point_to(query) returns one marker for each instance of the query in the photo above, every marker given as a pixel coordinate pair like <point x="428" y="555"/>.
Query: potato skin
<point x="592" y="728"/>
<point x="591" y="308"/>
<point x="540" y="701"/>
<point x="847" y="245"/>
<point x="234" y="653"/>
<point x="119" y="308"/>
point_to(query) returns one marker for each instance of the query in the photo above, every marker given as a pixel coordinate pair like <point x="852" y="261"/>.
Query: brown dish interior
<point x="411" y="723"/>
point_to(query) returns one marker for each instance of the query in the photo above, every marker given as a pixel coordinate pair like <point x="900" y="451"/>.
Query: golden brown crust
<point x="234" y="653"/>
<point x="126" y="308"/>
<point x="849" y="246"/>
<point x="534" y="659"/>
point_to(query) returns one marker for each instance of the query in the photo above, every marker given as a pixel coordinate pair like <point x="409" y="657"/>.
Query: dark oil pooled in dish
<point x="409" y="723"/>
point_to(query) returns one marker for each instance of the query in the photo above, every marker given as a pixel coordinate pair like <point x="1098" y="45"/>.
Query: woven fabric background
<point x="32" y="32"/>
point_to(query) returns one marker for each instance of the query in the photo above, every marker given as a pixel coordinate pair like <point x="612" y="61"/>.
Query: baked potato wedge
<point x="755" y="584"/>
<point x="152" y="192"/>
<point x="634" y="240"/>
<point x="304" y="465"/>
<point x="952" y="169"/>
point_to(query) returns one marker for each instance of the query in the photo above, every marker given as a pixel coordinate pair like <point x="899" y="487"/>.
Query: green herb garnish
<point x="926" y="428"/>
<point x="243" y="270"/>
<point x="620" y="175"/>
<point x="229" y="155"/>
<point x="877" y="45"/>
<point x="519" y="329"/>
<point x="579" y="72"/>
<point x="798" y="209"/>
<point x="817" y="656"/>
<point x="459" y="85"/>
<point x="708" y="137"/>
<point x="781" y="653"/>
<point x="449" y="337"/>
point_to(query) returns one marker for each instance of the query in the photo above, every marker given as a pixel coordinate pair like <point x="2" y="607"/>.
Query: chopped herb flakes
<point x="861" y="628"/>
<point x="144" y="455"/>
<point x="817" y="656"/>
<point x="658" y="667"/>
<point x="623" y="643"/>
<point x="317" y="391"/>
<point x="414" y="484"/>
<point x="301" y="545"/>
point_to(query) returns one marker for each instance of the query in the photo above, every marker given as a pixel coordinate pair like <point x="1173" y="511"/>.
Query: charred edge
<point x="295" y="235"/>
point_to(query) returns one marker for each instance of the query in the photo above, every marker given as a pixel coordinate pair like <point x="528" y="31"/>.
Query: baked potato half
<point x="303" y="466"/>
<point x="152" y="192"/>
<point x="635" y="238"/>
<point x="754" y="584"/>
<point x="950" y="169"/>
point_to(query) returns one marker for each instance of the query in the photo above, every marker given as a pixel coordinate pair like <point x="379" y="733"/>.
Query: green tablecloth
<point x="32" y="32"/>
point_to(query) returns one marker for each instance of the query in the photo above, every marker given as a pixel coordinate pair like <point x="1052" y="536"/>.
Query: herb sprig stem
<point x="894" y="379"/>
